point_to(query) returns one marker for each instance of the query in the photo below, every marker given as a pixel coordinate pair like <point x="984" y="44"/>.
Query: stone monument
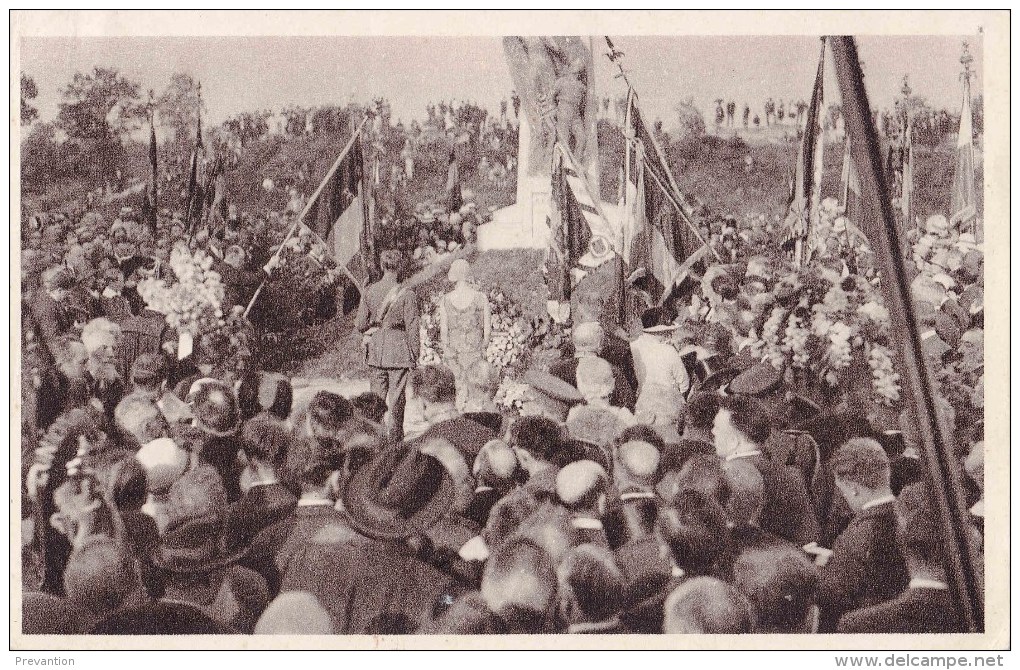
<point x="554" y="77"/>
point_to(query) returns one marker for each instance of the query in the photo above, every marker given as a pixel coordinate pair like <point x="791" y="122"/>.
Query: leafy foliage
<point x="29" y="91"/>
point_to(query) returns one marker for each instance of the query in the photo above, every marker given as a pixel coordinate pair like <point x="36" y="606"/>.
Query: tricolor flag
<point x="655" y="238"/>
<point x="582" y="238"/>
<point x="338" y="213"/>
<point x="963" y="201"/>
<point x="802" y="218"/>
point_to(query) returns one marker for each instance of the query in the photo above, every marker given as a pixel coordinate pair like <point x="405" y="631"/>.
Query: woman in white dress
<point x="465" y="325"/>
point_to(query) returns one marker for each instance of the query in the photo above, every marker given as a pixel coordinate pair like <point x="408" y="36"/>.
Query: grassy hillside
<point x="731" y="176"/>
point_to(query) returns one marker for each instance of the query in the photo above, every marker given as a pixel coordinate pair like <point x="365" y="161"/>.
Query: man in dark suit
<point x="266" y="501"/>
<point x="588" y="341"/>
<point x="436" y="387"/>
<point x="48" y="305"/>
<point x="517" y="595"/>
<point x="740" y="428"/>
<point x="865" y="567"/>
<point x="240" y="283"/>
<point x="495" y="472"/>
<point x="582" y="488"/>
<point x="743" y="510"/>
<point x="377" y="583"/>
<point x="388" y="317"/>
<point x="697" y="436"/>
<point x="693" y="530"/>
<point x="926" y="606"/>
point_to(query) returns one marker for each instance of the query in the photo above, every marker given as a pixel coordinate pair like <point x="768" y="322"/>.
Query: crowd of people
<point x="657" y="482"/>
<point x="772" y="113"/>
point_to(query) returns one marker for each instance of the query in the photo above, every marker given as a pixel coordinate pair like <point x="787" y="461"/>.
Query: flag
<point x="337" y="214"/>
<point x="453" y="183"/>
<point x="150" y="205"/>
<point x="805" y="195"/>
<point x="850" y="185"/>
<point x="582" y="238"/>
<point x="196" y="181"/>
<point x="655" y="237"/>
<point x="963" y="201"/>
<point x="218" y="191"/>
<point x="907" y="174"/>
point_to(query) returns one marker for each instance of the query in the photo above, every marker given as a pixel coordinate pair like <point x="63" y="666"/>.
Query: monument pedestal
<point x="522" y="225"/>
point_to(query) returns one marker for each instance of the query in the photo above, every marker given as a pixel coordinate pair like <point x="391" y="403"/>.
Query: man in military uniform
<point x="388" y="317"/>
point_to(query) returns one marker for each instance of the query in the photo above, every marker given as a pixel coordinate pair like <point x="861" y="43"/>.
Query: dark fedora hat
<point x="399" y="493"/>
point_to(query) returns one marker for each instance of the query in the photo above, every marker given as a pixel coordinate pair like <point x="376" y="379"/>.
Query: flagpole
<point x="304" y="211"/>
<point x="615" y="57"/>
<point x="674" y="195"/>
<point x="625" y="212"/>
<point x="962" y="560"/>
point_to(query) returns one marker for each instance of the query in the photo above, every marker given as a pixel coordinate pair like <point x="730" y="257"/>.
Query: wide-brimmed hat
<point x="757" y="380"/>
<point x="401" y="492"/>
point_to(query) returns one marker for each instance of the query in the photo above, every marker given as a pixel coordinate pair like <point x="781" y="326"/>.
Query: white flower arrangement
<point x="194" y="303"/>
<point x="833" y="327"/>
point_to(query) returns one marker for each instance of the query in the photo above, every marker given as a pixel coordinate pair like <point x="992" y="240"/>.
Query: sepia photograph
<point x="427" y="330"/>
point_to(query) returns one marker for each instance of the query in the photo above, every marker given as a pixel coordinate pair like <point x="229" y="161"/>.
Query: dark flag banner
<point x="150" y="205"/>
<point x="453" y="193"/>
<point x="337" y="214"/>
<point x="582" y="238"/>
<point x="963" y="201"/>
<point x="196" y="181"/>
<point x="656" y="240"/>
<point x="803" y="209"/>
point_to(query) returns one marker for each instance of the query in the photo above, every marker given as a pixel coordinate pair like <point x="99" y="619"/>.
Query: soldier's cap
<point x="552" y="387"/>
<point x="759" y="379"/>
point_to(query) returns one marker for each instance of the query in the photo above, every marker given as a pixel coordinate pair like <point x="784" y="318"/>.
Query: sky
<point x="247" y="73"/>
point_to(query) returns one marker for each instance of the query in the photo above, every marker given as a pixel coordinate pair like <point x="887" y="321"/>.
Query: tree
<point x="179" y="105"/>
<point x="98" y="109"/>
<point x="41" y="159"/>
<point x="100" y="106"/>
<point x="28" y="92"/>
<point x="690" y="120"/>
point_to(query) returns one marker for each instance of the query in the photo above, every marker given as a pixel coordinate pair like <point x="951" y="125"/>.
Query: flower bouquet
<point x="192" y="304"/>
<point x="302" y="286"/>
<point x="511" y="396"/>
<point x="831" y="334"/>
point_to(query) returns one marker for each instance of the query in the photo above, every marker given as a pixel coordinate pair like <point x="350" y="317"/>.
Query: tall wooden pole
<point x="942" y="470"/>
